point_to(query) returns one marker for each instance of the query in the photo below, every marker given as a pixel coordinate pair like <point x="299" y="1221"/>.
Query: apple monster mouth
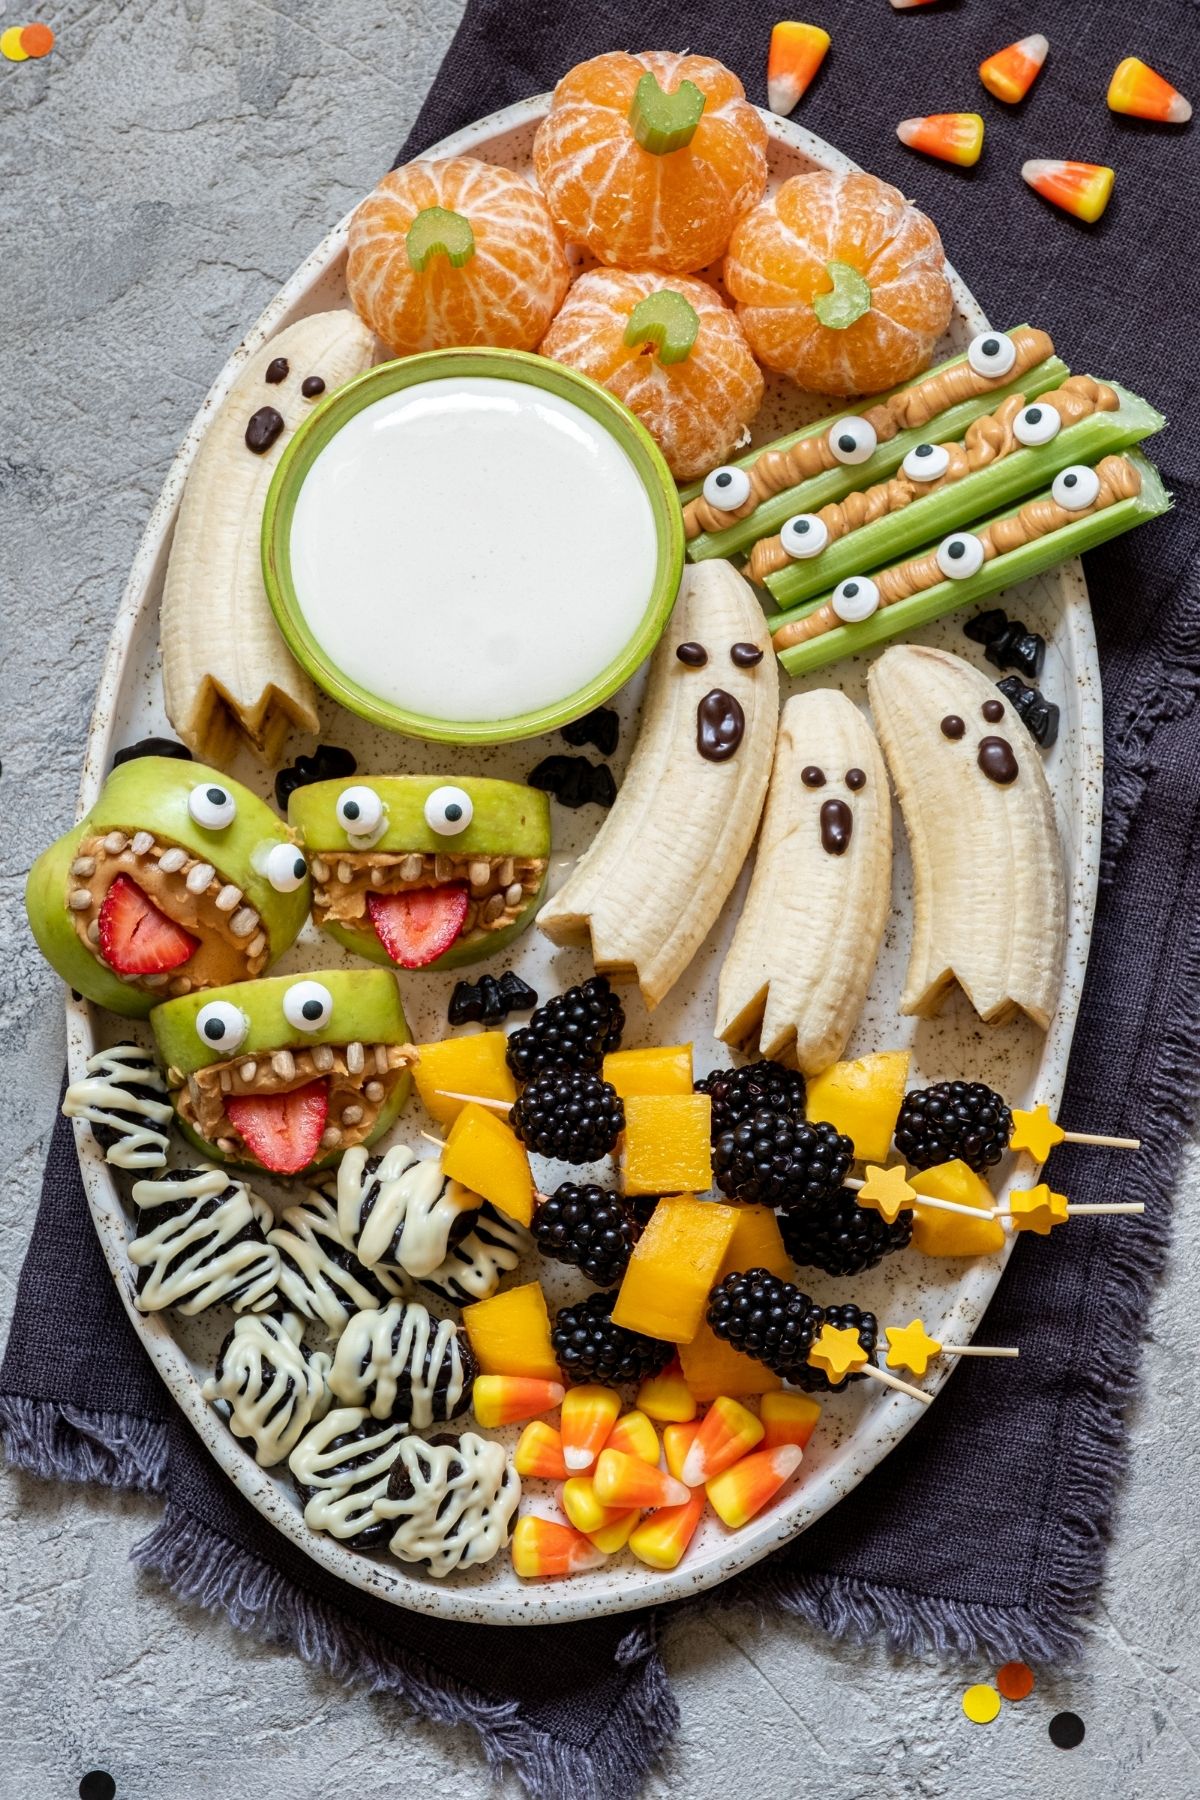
<point x="497" y="888"/>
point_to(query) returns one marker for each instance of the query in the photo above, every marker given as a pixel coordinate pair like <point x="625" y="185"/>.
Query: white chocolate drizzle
<point x="473" y="1267"/>
<point x="114" y="1100"/>
<point x="270" y="1385"/>
<point x="401" y="1364"/>
<point x="319" y="1275"/>
<point x="202" y="1242"/>
<point x="341" y="1466"/>
<point x="454" y="1501"/>
<point x="399" y="1209"/>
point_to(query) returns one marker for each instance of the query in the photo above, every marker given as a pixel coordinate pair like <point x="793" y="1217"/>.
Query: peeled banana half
<point x="647" y="891"/>
<point x="989" y="902"/>
<point x="805" y="947"/>
<point x="228" y="678"/>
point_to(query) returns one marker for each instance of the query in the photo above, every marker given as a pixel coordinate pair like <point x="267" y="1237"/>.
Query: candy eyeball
<point x="212" y="806"/>
<point x="308" y="1006"/>
<point x="359" y="811"/>
<point x="1037" y="424"/>
<point x="727" y="488"/>
<point x="855" y="599"/>
<point x="852" y="440"/>
<point x="960" y="556"/>
<point x="926" y="462"/>
<point x="449" y="810"/>
<point x="1076" y="488"/>
<point x="285" y="868"/>
<point x="805" y="535"/>
<point x="991" y="354"/>
<point x="222" y="1026"/>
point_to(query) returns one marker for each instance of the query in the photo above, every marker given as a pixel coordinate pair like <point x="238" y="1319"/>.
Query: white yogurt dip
<point x="472" y="548"/>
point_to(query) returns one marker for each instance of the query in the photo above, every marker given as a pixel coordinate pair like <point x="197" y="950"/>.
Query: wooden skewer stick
<point x="1095" y="1137"/>
<point x="476" y="1100"/>
<point x="1085" y="1210"/>
<point x="431" y="1139"/>
<point x="979" y="1350"/>
<point x="971" y="1212"/>
<point x="894" y="1381"/>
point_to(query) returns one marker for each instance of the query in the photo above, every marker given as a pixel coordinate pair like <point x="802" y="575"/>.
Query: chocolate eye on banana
<point x="178" y="880"/>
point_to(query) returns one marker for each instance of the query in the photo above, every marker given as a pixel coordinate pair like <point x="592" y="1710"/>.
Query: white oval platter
<point x="857" y="1428"/>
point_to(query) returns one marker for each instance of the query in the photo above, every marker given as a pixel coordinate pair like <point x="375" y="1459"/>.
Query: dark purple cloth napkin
<point x="984" y="1530"/>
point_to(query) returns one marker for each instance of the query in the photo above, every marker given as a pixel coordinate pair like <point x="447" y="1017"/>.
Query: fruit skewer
<point x="911" y="1347"/>
<point x="1036" y="1132"/>
<point x="1039" y="1209"/>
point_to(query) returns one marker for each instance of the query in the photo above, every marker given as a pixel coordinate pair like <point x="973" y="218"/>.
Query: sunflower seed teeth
<point x="506" y="871"/>
<point x="411" y="868"/>
<point x="182" y="984"/>
<point x="381" y="1059"/>
<point x="174" y="1077"/>
<point x="226" y="1146"/>
<point x="115" y="842"/>
<point x="244" y="922"/>
<point x="225" y="1079"/>
<point x="256" y="946"/>
<point x="283" y="1064"/>
<point x="331" y="1136"/>
<point x="514" y="894"/>
<point x="480" y="874"/>
<point x="248" y="1071"/>
<point x="93" y="932"/>
<point x="143" y="843"/>
<point x="320" y="869"/>
<point x="344" y="872"/>
<point x="374" y="1091"/>
<point x="83" y="866"/>
<point x="228" y="898"/>
<point x="376" y="877"/>
<point x="493" y="909"/>
<point x="198" y="877"/>
<point x="355" y="1058"/>
<point x="80" y="899"/>
<point x="352" y="1115"/>
<point x="171" y="861"/>
<point x="322" y="1057"/>
<point x="443" y="868"/>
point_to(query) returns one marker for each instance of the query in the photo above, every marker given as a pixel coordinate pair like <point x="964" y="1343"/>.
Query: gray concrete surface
<point x="162" y="172"/>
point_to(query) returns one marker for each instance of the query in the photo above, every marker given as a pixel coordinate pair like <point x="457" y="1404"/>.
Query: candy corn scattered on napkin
<point x="983" y="1531"/>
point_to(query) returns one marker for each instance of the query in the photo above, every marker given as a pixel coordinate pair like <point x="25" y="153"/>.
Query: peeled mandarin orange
<point x="840" y="283"/>
<point x="651" y="160"/>
<point x="455" y="252"/>
<point x="671" y="351"/>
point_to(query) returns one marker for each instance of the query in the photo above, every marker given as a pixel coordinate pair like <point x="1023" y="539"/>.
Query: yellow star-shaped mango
<point x="837" y="1352"/>
<point x="887" y="1191"/>
<point x="910" y="1347"/>
<point x="1037" y="1209"/>
<point x="1036" y="1132"/>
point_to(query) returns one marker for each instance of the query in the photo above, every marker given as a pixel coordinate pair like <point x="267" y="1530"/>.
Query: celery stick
<point x="1002" y="572"/>
<point x="980" y="495"/>
<point x="810" y="496"/>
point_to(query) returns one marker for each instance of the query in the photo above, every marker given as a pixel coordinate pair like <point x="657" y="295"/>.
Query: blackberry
<point x="568" y="1114"/>
<point x="769" y="1319"/>
<point x="842" y="1237"/>
<point x="776" y="1159"/>
<point x="588" y="1227"/>
<point x="571" y="1031"/>
<point x="844" y="1318"/>
<point x="589" y="1347"/>
<point x="758" y="1087"/>
<point x="961" y="1119"/>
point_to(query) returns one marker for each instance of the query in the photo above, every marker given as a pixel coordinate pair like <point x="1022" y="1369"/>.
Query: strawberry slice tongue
<point x="417" y="927"/>
<point x="282" y="1131"/>
<point x="136" y="938"/>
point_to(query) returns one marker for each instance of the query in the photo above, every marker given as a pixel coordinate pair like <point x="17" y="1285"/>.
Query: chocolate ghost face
<point x="995" y="755"/>
<point x="720" y="718"/>
<point x="836" y="818"/>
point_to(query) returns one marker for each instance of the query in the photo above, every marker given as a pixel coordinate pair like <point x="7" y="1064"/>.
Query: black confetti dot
<point x="97" y="1784"/>
<point x="1066" y="1730"/>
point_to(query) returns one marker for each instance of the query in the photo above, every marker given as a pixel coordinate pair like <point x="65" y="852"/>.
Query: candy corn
<point x="677" y="1441"/>
<point x="661" y="1540"/>
<point x="788" y="1419"/>
<point x="506" y="1399"/>
<point x="539" y="1452"/>
<point x="625" y="1481"/>
<point x="667" y="1397"/>
<point x="542" y="1548"/>
<point x="588" y="1415"/>
<point x="635" y="1435"/>
<point x="797" y="52"/>
<point x="1011" y="73"/>
<point x="608" y="1527"/>
<point x="728" y="1431"/>
<point x="1081" y="189"/>
<point x="951" y="137"/>
<point x="1138" y="90"/>
<point x="744" y="1490"/>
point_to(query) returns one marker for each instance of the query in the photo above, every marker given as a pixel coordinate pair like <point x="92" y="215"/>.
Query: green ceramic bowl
<point x="511" y="365"/>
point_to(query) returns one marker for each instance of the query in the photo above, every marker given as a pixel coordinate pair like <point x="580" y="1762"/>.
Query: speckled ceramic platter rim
<point x="622" y="1585"/>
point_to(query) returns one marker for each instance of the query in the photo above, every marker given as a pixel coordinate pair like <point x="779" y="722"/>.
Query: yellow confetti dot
<point x="11" y="46"/>
<point x="981" y="1703"/>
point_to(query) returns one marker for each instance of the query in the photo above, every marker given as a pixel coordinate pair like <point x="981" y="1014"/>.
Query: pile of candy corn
<point x="1079" y="188"/>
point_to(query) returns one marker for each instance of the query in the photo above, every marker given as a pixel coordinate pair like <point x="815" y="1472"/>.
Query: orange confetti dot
<point x="37" y="40"/>
<point x="981" y="1703"/>
<point x="1015" y="1680"/>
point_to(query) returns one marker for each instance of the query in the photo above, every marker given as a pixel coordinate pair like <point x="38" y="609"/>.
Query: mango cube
<point x="667" y="1148"/>
<point x="950" y="1234"/>
<point x="788" y="1419"/>
<point x="661" y="1540"/>
<point x="863" y="1100"/>
<point x="665" y="1069"/>
<point x="488" y="1157"/>
<point x="673" y="1268"/>
<point x="465" y="1065"/>
<point x="710" y="1365"/>
<point x="510" y="1333"/>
